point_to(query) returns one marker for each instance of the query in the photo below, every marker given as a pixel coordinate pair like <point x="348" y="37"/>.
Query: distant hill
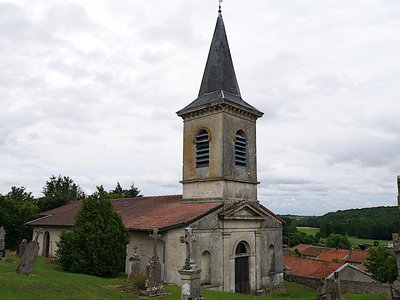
<point x="370" y="223"/>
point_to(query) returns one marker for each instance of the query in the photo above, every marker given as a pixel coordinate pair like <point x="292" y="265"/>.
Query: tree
<point x="59" y="191"/>
<point x="119" y="192"/>
<point x="17" y="208"/>
<point x="97" y="243"/>
<point x="338" y="241"/>
<point x="382" y="264"/>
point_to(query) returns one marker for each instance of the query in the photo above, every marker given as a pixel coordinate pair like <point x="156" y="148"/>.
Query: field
<point x="352" y="239"/>
<point x="49" y="282"/>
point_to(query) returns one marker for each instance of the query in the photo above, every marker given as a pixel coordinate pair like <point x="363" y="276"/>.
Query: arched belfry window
<point x="202" y="149"/>
<point x="240" y="149"/>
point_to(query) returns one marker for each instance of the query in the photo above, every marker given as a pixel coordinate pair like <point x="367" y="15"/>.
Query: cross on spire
<point x="220" y="2"/>
<point x="155" y="236"/>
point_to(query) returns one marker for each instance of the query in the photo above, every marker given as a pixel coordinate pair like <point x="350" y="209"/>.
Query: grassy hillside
<point x="354" y="241"/>
<point x="49" y="282"/>
<point x="373" y="223"/>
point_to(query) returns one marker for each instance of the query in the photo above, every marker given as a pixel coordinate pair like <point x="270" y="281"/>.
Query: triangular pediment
<point x="244" y="211"/>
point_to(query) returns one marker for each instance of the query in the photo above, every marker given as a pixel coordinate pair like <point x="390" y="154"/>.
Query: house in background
<point x="312" y="272"/>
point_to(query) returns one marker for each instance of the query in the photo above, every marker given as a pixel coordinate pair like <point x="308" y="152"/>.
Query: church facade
<point x="239" y="241"/>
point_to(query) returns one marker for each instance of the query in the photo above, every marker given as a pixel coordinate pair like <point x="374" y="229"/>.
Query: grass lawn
<point x="49" y="282"/>
<point x="354" y="241"/>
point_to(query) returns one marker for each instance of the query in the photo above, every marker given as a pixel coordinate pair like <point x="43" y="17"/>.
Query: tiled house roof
<point x="142" y="213"/>
<point x="354" y="256"/>
<point x="357" y="256"/>
<point x="310" y="268"/>
<point x="334" y="254"/>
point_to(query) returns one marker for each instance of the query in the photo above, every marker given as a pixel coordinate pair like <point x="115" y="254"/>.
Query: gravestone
<point x="153" y="271"/>
<point x="28" y="259"/>
<point x="2" y="242"/>
<point x="22" y="248"/>
<point x="134" y="265"/>
<point x="190" y="273"/>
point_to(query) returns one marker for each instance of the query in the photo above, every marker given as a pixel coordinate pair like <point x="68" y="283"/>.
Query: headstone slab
<point x="153" y="271"/>
<point x="28" y="259"/>
<point x="2" y="242"/>
<point x="22" y="247"/>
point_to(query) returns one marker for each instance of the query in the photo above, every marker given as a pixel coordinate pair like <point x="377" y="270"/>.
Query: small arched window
<point x="271" y="258"/>
<point x="202" y="149"/>
<point x="242" y="249"/>
<point x="240" y="149"/>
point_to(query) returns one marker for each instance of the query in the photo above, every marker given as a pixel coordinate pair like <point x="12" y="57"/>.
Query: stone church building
<point x="239" y="241"/>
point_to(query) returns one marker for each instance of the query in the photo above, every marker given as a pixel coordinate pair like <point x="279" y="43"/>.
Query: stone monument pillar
<point x="2" y="242"/>
<point x="153" y="271"/>
<point x="134" y="265"/>
<point x="190" y="273"/>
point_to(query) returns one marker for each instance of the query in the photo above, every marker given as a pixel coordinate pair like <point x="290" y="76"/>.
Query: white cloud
<point x="89" y="89"/>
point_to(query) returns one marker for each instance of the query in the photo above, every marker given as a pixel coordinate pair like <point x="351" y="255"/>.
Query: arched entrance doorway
<point x="242" y="281"/>
<point x="46" y="244"/>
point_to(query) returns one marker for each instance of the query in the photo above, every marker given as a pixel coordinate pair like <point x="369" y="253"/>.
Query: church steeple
<point x="219" y="81"/>
<point x="219" y="144"/>
<point x="219" y="74"/>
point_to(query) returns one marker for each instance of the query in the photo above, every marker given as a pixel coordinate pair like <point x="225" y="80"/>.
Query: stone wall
<point x="356" y="287"/>
<point x="54" y="233"/>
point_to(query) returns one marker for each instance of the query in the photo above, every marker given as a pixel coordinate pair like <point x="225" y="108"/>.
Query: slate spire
<point x="219" y="83"/>
<point x="219" y="74"/>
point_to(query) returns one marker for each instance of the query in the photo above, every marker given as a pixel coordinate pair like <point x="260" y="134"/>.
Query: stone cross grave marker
<point x="28" y="259"/>
<point x="153" y="270"/>
<point x="190" y="273"/>
<point x="189" y="239"/>
<point x="22" y="247"/>
<point x="134" y="264"/>
<point x="2" y="242"/>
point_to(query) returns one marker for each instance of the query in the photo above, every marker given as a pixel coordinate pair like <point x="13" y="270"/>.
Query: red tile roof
<point x="310" y="268"/>
<point x="314" y="251"/>
<point x="357" y="256"/>
<point x="334" y="254"/>
<point x="301" y="247"/>
<point x="142" y="213"/>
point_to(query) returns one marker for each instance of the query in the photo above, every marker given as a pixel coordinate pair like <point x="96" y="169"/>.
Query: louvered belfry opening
<point x="240" y="149"/>
<point x="202" y="149"/>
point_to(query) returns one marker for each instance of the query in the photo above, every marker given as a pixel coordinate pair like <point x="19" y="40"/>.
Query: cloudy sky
<point x="89" y="89"/>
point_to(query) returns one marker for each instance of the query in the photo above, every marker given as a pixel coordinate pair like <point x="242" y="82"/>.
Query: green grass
<point x="364" y="297"/>
<point x="354" y="241"/>
<point x="49" y="282"/>
<point x="308" y="230"/>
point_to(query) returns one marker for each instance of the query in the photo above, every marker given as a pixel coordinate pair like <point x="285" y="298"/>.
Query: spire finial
<point x="219" y="10"/>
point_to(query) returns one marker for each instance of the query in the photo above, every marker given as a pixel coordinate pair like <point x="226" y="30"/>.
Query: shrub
<point x="97" y="243"/>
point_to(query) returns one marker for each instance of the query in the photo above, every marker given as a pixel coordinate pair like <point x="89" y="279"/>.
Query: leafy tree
<point x="17" y="208"/>
<point x="97" y="243"/>
<point x="59" y="191"/>
<point x="119" y="192"/>
<point x="338" y="241"/>
<point x="382" y="264"/>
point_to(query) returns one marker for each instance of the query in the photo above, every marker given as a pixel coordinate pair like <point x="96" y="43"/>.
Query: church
<point x="239" y="241"/>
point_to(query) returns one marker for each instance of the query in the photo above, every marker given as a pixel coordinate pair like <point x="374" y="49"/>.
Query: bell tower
<point x="219" y="133"/>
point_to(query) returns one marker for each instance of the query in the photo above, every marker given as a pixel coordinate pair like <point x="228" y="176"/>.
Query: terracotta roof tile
<point x="142" y="213"/>
<point x="301" y="247"/>
<point x="310" y="268"/>
<point x="334" y="254"/>
<point x="314" y="251"/>
<point x="357" y="256"/>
